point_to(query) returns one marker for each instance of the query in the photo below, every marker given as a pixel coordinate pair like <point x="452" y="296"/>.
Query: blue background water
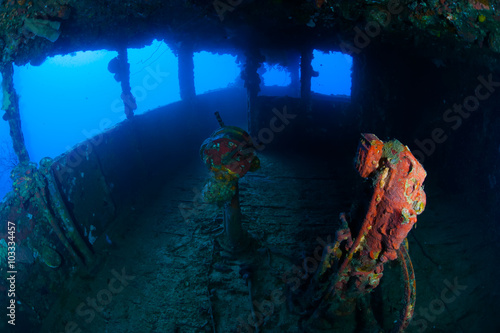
<point x="70" y="98"/>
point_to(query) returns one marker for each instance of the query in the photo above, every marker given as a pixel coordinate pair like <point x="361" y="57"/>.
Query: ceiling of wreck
<point x="31" y="30"/>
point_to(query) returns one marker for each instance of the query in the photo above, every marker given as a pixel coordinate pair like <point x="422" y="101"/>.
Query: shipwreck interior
<point x="237" y="211"/>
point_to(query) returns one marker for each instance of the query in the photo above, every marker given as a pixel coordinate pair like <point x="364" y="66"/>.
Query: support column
<point x="294" y="69"/>
<point x="254" y="60"/>
<point x="11" y="107"/>
<point x="121" y="68"/>
<point x="186" y="72"/>
<point x="306" y="72"/>
<point x="236" y="239"/>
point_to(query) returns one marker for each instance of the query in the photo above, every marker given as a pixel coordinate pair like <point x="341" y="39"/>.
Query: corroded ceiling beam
<point x="32" y="30"/>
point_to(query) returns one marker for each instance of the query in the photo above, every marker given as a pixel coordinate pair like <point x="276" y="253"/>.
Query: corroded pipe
<point x="219" y="119"/>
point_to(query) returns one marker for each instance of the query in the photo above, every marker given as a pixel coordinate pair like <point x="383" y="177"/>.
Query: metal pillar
<point x="254" y="59"/>
<point x="121" y="68"/>
<point x="294" y="69"/>
<point x="127" y="97"/>
<point x="11" y="107"/>
<point x="186" y="72"/>
<point x="306" y="72"/>
<point x="236" y="238"/>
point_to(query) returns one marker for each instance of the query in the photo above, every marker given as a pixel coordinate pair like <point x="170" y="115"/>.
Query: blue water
<point x="70" y="98"/>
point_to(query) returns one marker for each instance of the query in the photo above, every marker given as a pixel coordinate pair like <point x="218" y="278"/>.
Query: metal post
<point x="127" y="97"/>
<point x="120" y="67"/>
<point x="294" y="69"/>
<point x="306" y="72"/>
<point x="236" y="238"/>
<point x="186" y="72"/>
<point x="254" y="60"/>
<point x="11" y="107"/>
